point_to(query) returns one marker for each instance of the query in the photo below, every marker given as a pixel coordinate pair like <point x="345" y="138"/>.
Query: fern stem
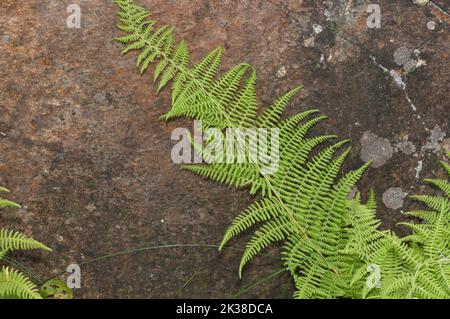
<point x="137" y="250"/>
<point x="21" y="267"/>
<point x="413" y="282"/>
<point x="252" y="285"/>
<point x="185" y="284"/>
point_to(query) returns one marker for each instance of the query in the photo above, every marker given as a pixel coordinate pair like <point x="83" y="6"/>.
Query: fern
<point x="331" y="245"/>
<point x="415" y="266"/>
<point x="230" y="101"/>
<point x="5" y="202"/>
<point x="12" y="240"/>
<point x="14" y="284"/>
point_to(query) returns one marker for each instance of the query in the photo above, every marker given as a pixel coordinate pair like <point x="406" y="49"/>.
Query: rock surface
<point x="83" y="151"/>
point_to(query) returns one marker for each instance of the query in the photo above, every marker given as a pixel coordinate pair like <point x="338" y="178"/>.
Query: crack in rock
<point x="398" y="81"/>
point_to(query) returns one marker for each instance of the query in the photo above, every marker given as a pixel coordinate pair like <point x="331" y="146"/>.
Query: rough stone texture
<point x="83" y="152"/>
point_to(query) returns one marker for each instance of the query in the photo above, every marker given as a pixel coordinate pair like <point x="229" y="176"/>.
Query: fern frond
<point x="12" y="240"/>
<point x="443" y="185"/>
<point x="13" y="284"/>
<point x="446" y="166"/>
<point x="437" y="203"/>
<point x="181" y="58"/>
<point x="272" y="116"/>
<point x="330" y="242"/>
<point x="8" y="203"/>
<point x="262" y="211"/>
<point x="242" y="110"/>
<point x="272" y="231"/>
<point x="241" y="175"/>
<point x="5" y="202"/>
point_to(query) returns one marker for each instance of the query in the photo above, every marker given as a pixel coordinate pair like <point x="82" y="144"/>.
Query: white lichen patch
<point x="5" y="39"/>
<point x="433" y="143"/>
<point x="418" y="168"/>
<point x="421" y="2"/>
<point x="90" y="207"/>
<point x="309" y="42"/>
<point x="437" y="134"/>
<point x="328" y="15"/>
<point x="406" y="147"/>
<point x="402" y="55"/>
<point x="282" y="71"/>
<point x="317" y="28"/>
<point x="393" y="198"/>
<point x="376" y="149"/>
<point x="420" y="63"/>
<point x="398" y="81"/>
<point x="431" y="25"/>
<point x="410" y="66"/>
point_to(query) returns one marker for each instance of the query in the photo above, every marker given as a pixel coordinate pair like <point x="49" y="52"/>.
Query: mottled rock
<point x="69" y="91"/>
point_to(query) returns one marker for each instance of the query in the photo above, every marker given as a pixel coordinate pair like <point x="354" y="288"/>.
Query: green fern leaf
<point x="12" y="240"/>
<point x="13" y="284"/>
